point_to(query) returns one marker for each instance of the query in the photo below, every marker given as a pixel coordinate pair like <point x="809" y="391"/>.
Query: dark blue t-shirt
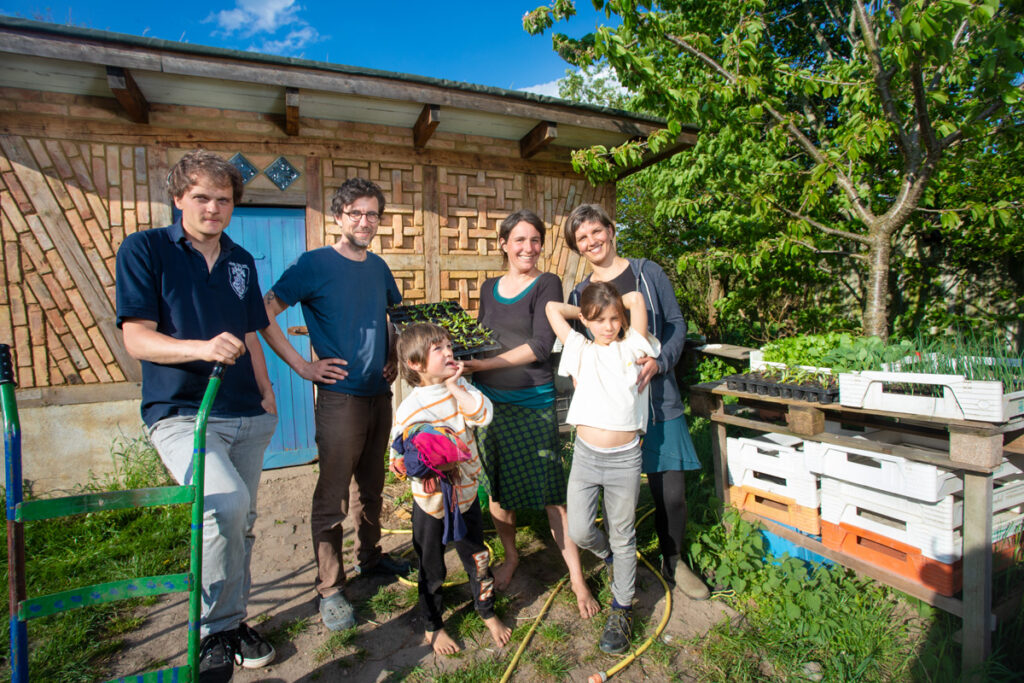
<point x="162" y="278"/>
<point x="345" y="306"/>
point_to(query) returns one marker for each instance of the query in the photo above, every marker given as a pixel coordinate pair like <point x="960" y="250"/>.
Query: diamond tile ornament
<point x="244" y="167"/>
<point x="281" y="173"/>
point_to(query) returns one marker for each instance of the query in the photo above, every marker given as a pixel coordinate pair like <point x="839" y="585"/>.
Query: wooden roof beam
<point x="128" y="95"/>
<point x="291" y="111"/>
<point x="426" y="124"/>
<point x="542" y="135"/>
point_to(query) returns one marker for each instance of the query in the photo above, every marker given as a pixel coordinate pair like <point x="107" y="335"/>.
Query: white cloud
<point x="267" y="17"/>
<point x="292" y="43"/>
<point x="256" y="16"/>
<point x="550" y="88"/>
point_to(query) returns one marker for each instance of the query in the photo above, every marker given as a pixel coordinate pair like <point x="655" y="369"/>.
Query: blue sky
<point x="477" y="41"/>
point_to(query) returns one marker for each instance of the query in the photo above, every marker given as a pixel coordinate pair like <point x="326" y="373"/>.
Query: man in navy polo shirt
<point x="188" y="297"/>
<point x="345" y="292"/>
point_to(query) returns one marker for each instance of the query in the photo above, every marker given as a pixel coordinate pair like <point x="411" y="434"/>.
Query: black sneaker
<point x="218" y="653"/>
<point x="255" y="649"/>
<point x="615" y="639"/>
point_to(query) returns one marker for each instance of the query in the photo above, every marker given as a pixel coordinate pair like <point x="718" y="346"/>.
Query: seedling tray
<point x="469" y="338"/>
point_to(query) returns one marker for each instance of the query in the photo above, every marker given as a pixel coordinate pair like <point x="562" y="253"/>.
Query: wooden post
<point x="977" y="595"/>
<point x="806" y="421"/>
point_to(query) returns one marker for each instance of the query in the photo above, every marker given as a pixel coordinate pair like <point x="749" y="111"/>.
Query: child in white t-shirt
<point x="609" y="413"/>
<point x="433" y="432"/>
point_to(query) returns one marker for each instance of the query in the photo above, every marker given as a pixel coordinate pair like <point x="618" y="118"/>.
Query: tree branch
<point x="822" y="227"/>
<point x="864" y="213"/>
<point x="924" y="121"/>
<point x="883" y="78"/>
<point x="822" y="252"/>
<point x="958" y="134"/>
<point x="819" y="37"/>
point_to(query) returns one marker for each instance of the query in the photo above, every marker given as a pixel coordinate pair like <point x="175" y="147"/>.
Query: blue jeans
<point x="617" y="474"/>
<point x="234" y="460"/>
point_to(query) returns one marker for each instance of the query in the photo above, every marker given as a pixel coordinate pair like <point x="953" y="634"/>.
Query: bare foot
<point x="499" y="632"/>
<point x="443" y="643"/>
<point x="504" y="571"/>
<point x="585" y="601"/>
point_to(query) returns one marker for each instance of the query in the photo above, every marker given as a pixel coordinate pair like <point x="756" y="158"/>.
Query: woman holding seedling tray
<point x="519" y="450"/>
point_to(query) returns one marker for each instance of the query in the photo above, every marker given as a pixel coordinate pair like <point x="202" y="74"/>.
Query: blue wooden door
<point x="276" y="237"/>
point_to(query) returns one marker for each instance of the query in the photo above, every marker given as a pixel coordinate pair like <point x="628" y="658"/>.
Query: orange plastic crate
<point x="907" y="561"/>
<point x="779" y="508"/>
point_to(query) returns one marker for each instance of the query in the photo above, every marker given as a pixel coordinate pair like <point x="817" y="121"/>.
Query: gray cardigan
<point x="665" y="321"/>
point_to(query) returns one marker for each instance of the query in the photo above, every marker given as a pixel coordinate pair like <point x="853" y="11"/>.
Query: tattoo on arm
<point x="269" y="297"/>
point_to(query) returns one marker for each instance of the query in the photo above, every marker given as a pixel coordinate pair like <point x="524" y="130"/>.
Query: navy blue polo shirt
<point x="162" y="278"/>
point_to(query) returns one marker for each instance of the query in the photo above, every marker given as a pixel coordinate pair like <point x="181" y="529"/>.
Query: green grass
<point x="93" y="548"/>
<point x="553" y="665"/>
<point x="288" y="631"/>
<point x="335" y="644"/>
<point x="485" y="670"/>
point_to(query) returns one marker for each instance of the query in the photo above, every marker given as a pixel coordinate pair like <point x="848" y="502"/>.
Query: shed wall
<point x="76" y="178"/>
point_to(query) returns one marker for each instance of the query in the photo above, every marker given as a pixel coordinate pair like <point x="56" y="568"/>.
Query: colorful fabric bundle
<point x="429" y="451"/>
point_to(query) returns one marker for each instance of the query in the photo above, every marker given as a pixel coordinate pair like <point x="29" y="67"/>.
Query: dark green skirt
<point x="522" y="466"/>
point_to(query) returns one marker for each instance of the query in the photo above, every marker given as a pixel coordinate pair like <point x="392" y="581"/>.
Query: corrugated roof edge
<point x="203" y="50"/>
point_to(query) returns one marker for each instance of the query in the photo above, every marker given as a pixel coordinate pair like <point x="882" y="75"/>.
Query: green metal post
<point x="198" y="480"/>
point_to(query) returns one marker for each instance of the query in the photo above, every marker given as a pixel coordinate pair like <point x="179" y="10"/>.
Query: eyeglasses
<point x="356" y="216"/>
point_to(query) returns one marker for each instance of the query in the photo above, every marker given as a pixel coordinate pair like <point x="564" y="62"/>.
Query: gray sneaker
<point x="337" y="612"/>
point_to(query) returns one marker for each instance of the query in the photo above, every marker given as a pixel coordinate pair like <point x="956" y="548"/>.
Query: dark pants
<point x="352" y="439"/>
<point x="668" y="489"/>
<point x="476" y="558"/>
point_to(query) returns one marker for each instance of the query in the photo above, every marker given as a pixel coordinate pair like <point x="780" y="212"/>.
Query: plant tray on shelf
<point x="469" y="337"/>
<point x="929" y="395"/>
<point x="758" y="383"/>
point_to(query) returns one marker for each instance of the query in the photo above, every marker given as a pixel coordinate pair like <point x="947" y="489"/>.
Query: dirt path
<point x="387" y="644"/>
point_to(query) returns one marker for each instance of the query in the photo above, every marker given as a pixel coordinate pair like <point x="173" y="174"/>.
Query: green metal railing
<point x="20" y="511"/>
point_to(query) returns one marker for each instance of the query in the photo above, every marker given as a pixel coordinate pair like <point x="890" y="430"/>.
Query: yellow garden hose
<point x="600" y="676"/>
<point x="529" y="634"/>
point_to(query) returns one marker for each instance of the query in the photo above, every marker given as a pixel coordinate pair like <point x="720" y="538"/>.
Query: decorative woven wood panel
<point x="448" y="251"/>
<point x="67" y="207"/>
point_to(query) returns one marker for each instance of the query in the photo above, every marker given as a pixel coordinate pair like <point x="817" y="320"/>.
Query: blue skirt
<point x="667" y="446"/>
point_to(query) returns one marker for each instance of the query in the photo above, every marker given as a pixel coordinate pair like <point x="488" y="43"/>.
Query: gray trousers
<point x="618" y="476"/>
<point x="234" y="460"/>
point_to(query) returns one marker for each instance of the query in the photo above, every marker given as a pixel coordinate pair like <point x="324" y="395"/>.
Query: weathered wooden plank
<point x="428" y="121"/>
<point x="314" y="204"/>
<point x="122" y="133"/>
<point x="128" y="94"/>
<point x="431" y="234"/>
<point x="291" y="111"/>
<point x="977" y="591"/>
<point x="70" y="250"/>
<point x="159" y="199"/>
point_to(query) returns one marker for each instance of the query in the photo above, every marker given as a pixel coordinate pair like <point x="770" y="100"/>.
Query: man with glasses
<point x="345" y="291"/>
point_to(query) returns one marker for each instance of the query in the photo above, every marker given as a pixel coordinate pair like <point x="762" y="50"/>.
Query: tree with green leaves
<point x="836" y="130"/>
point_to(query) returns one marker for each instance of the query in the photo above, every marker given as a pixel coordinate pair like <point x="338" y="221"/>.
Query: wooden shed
<point x="92" y="121"/>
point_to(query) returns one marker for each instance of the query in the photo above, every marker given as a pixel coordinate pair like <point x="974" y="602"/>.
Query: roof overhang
<point x="139" y="72"/>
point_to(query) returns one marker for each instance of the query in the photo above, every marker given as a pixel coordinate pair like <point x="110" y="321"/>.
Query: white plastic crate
<point x="890" y="473"/>
<point x="932" y="528"/>
<point x="957" y="398"/>
<point x="776" y="463"/>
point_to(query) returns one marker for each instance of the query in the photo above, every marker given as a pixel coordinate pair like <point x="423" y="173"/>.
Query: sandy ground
<point x="388" y="644"/>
